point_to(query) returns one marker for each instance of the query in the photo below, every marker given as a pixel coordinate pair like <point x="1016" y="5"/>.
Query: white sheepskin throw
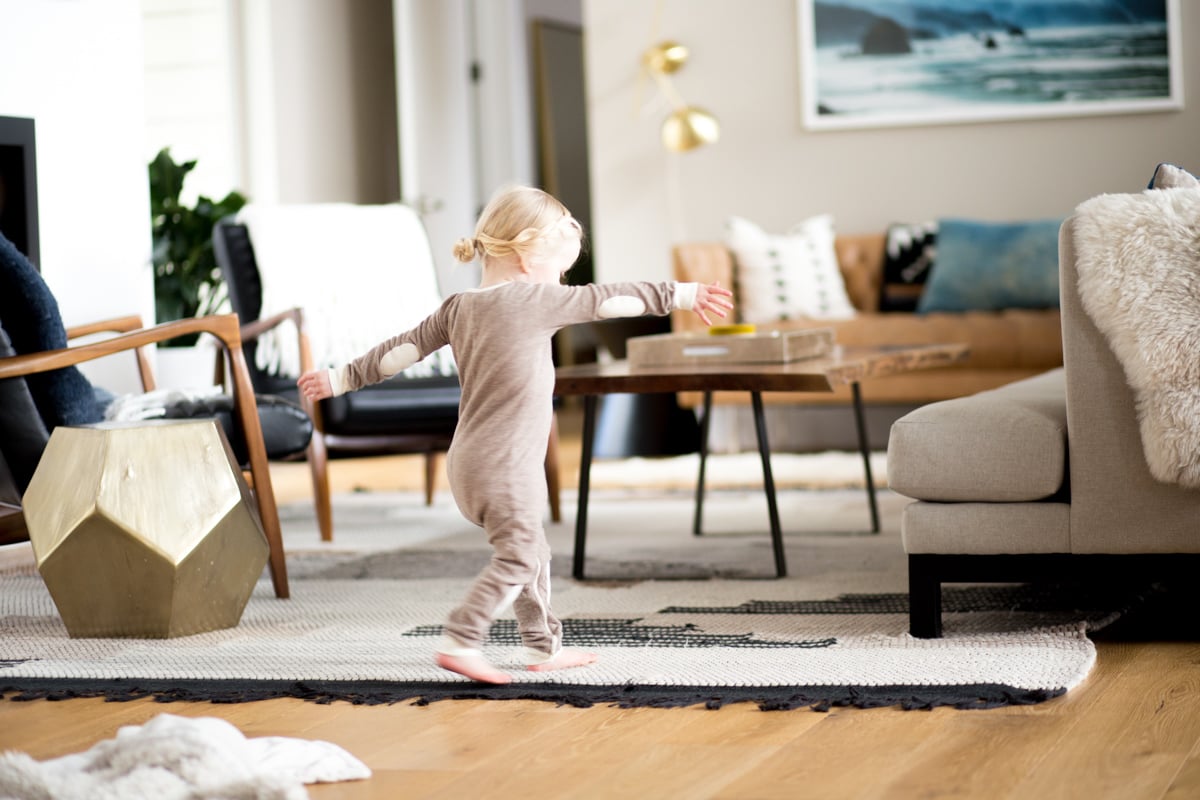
<point x="362" y="273"/>
<point x="179" y="758"/>
<point x="1139" y="280"/>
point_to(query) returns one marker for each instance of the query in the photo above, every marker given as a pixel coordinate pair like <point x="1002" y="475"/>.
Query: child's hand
<point x="711" y="298"/>
<point x="315" y="385"/>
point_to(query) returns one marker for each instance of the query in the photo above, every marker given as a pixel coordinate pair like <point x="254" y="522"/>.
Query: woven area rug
<point x="676" y="620"/>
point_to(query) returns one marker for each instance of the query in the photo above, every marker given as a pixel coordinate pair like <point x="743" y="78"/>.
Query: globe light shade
<point x="689" y="127"/>
<point x="665" y="57"/>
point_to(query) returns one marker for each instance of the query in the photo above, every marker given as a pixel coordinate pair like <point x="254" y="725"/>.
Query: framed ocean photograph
<point x="867" y="63"/>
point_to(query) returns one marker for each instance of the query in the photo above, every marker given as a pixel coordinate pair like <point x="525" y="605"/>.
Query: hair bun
<point x="464" y="250"/>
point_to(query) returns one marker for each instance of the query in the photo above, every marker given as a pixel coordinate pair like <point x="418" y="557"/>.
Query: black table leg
<point x="585" y="474"/>
<point x="764" y="450"/>
<point x="864" y="447"/>
<point x="704" y="425"/>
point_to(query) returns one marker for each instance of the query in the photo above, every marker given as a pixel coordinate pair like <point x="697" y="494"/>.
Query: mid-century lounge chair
<point x="40" y="388"/>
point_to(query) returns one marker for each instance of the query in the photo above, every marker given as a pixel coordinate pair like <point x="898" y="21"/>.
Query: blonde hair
<point x="513" y="223"/>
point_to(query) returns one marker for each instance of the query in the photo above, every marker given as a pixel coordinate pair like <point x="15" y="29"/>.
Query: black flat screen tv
<point x="18" y="185"/>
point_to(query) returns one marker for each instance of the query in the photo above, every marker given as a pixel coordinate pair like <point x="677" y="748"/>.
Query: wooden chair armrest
<point x="252" y="330"/>
<point x="224" y="328"/>
<point x="132" y="322"/>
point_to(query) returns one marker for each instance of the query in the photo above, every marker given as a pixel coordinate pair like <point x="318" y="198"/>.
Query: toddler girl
<point x="501" y="337"/>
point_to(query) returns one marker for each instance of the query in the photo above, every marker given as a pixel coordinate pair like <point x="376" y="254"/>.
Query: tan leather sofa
<point x="1005" y="346"/>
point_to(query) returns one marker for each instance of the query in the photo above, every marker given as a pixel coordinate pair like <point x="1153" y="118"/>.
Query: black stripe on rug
<point x="767" y="698"/>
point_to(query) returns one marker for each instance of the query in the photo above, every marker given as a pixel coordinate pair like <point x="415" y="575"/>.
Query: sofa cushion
<point x="992" y="265"/>
<point x="1003" y="445"/>
<point x="788" y="276"/>
<point x="985" y="529"/>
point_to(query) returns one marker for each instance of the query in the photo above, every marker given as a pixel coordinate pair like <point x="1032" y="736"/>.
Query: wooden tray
<point x="775" y="347"/>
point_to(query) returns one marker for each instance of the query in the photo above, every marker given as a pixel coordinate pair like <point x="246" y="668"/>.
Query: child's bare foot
<point x="473" y="665"/>
<point x="564" y="659"/>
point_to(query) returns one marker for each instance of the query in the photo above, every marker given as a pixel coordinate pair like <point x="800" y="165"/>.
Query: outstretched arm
<point x="599" y="301"/>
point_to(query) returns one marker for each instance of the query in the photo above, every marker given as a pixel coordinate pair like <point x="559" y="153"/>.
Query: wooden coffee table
<point x="844" y="366"/>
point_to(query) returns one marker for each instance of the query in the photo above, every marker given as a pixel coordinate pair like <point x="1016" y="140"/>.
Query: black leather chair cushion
<point x="416" y="405"/>
<point x="286" y="428"/>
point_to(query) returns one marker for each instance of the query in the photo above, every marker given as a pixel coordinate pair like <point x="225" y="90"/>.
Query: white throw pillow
<point x="788" y="276"/>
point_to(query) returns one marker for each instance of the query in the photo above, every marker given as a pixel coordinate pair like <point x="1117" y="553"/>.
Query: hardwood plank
<point x="842" y="756"/>
<point x="1132" y="741"/>
<point x="386" y="784"/>
<point x="1186" y="783"/>
<point x="743" y="724"/>
<point x="987" y="753"/>
<point x="617" y="753"/>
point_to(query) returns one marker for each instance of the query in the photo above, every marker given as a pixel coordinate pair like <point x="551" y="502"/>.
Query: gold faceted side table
<point x="144" y="529"/>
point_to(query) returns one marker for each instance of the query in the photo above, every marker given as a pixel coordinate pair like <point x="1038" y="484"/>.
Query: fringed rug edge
<point x="767" y="698"/>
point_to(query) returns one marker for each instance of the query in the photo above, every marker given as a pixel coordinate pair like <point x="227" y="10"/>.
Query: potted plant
<point x="187" y="280"/>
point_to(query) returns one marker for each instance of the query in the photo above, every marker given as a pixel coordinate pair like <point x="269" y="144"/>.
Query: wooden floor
<point x="1131" y="731"/>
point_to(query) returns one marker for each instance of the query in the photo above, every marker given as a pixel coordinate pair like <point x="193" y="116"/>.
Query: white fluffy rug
<point x="1139" y="279"/>
<point x="180" y="758"/>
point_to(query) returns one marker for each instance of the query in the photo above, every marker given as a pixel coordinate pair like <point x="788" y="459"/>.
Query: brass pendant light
<point x="687" y="127"/>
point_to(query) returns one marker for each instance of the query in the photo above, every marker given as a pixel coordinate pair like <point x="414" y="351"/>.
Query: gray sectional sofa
<point x="1046" y="477"/>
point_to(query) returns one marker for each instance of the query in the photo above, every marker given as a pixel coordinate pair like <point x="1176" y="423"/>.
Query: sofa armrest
<point x="860" y="258"/>
<point x="1004" y="445"/>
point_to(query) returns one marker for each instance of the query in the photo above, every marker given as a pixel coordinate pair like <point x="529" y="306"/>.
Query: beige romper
<point x="501" y="339"/>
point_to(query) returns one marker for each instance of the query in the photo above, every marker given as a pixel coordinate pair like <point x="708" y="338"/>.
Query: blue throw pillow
<point x="29" y="314"/>
<point x="991" y="266"/>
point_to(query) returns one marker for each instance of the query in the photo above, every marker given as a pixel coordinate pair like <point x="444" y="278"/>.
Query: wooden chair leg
<point x="430" y="476"/>
<point x="553" y="482"/>
<point x="260" y="471"/>
<point x="318" y="464"/>
<point x="268" y="515"/>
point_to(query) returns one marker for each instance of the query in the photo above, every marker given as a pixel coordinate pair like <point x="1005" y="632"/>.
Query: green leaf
<point x="187" y="280"/>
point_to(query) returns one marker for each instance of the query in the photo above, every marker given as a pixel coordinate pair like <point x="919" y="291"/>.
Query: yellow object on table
<point x="732" y="330"/>
<point x="144" y="529"/>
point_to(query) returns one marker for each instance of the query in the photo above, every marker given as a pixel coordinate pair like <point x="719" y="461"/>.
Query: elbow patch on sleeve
<point x="622" y="306"/>
<point x="399" y="358"/>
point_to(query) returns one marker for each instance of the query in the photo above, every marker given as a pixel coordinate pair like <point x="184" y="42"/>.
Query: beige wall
<point x="743" y="68"/>
<point x="321" y="101"/>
